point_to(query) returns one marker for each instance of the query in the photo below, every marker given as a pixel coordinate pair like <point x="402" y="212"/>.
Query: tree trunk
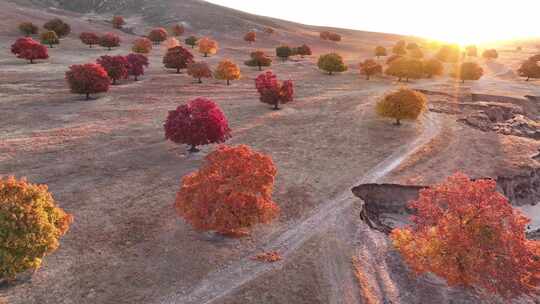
<point x="87" y="96"/>
<point x="276" y="105"/>
<point x="527" y="78"/>
<point x="260" y="69"/>
<point x="177" y="70"/>
<point x="114" y="81"/>
<point x="200" y="81"/>
<point x="463" y="81"/>
<point x="193" y="149"/>
<point x="228" y="82"/>
<point x="205" y="54"/>
<point x="31" y="61"/>
<point x="330" y="73"/>
<point x="398" y="122"/>
<point x="367" y="77"/>
<point x="110" y="48"/>
<point x="136" y="79"/>
<point x="399" y="79"/>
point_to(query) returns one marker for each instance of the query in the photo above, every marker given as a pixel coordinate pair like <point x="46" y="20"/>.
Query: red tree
<point x="116" y="66"/>
<point x="109" y="40"/>
<point x="89" y="38"/>
<point x="250" y="37"/>
<point x="178" y="30"/>
<point x="272" y="91"/>
<point x="198" y="122"/>
<point x="87" y="79"/>
<point x="469" y="234"/>
<point x="230" y="193"/>
<point x="177" y="58"/>
<point x="158" y="35"/>
<point x="29" y="49"/>
<point x="137" y="63"/>
<point x="118" y="22"/>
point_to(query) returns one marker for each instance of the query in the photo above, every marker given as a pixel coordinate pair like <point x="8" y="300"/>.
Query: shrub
<point x="61" y="28"/>
<point x="380" y="51"/>
<point x="402" y="104"/>
<point x="142" y="45"/>
<point x="50" y="38"/>
<point x="207" y="46"/>
<point x="467" y="233"/>
<point x="399" y="48"/>
<point x="118" y="22"/>
<point x="87" y="79"/>
<point x="433" y="67"/>
<point x="199" y="70"/>
<point x="269" y="30"/>
<point x="29" y="49"/>
<point x="469" y="71"/>
<point x="230" y="193"/>
<point x="198" y="122"/>
<point x="28" y="28"/>
<point x="109" y="40"/>
<point x="177" y="58"/>
<point x="259" y="59"/>
<point x="31" y="226"/>
<point x="449" y="53"/>
<point x="490" y="54"/>
<point x="331" y="63"/>
<point x="136" y="65"/>
<point x="116" y="66"/>
<point x="191" y="41"/>
<point x="303" y="50"/>
<point x="177" y="30"/>
<point x="369" y="68"/>
<point x="530" y="69"/>
<point x="227" y="70"/>
<point x="406" y="68"/>
<point x="272" y="91"/>
<point x="89" y="38"/>
<point x="250" y="37"/>
<point x="334" y="37"/>
<point x="284" y="52"/>
<point x="158" y="35"/>
<point x="324" y="35"/>
<point x="471" y="50"/>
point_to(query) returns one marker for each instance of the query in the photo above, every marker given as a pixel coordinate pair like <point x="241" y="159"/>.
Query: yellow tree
<point x="402" y="104"/>
<point x="227" y="70"/>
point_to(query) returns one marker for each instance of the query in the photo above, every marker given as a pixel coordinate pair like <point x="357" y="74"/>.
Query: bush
<point x="199" y="70"/>
<point x="331" y="63"/>
<point x="198" y="122"/>
<point x="369" y="68"/>
<point x="269" y="30"/>
<point x="50" y="38"/>
<point x="250" y="37"/>
<point x="259" y="59"/>
<point x="433" y="67"/>
<point x="158" y="35"/>
<point x="449" y="53"/>
<point x="207" y="46"/>
<point x="227" y="70"/>
<point x="29" y="49"/>
<point x="142" y="45"/>
<point x="230" y="193"/>
<point x="326" y="35"/>
<point x="31" y="226"/>
<point x="467" y="233"/>
<point x="177" y="58"/>
<point x="402" y="104"/>
<point x="406" y="68"/>
<point x="109" y="40"/>
<point x="177" y="30"/>
<point x="61" y="28"/>
<point x="469" y="71"/>
<point x="28" y="28"/>
<point x="272" y="91"/>
<point x="303" y="50"/>
<point x="380" y="51"/>
<point x="191" y="41"/>
<point x="490" y="54"/>
<point x="89" y="38"/>
<point x="529" y="69"/>
<point x="284" y="52"/>
<point x="87" y="79"/>
<point x="136" y="65"/>
<point x="116" y="66"/>
<point x="118" y="22"/>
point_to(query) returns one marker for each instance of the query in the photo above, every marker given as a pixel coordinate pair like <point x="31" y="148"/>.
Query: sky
<point x="459" y="21"/>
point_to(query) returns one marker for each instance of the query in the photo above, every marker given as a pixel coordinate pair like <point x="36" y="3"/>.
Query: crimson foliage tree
<point x="109" y="40"/>
<point x="158" y="35"/>
<point x="89" y="38"/>
<point x="198" y="122"/>
<point x="118" y="22"/>
<point x="272" y="91"/>
<point x="116" y="66"/>
<point x="177" y="58"/>
<point x="137" y="63"/>
<point x="87" y="79"/>
<point x="29" y="49"/>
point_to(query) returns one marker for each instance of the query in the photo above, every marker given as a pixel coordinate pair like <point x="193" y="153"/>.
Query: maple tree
<point x="136" y="65"/>
<point x="198" y="122"/>
<point x="109" y="40"/>
<point x="177" y="58"/>
<point x="250" y="37"/>
<point x="89" y="38"/>
<point x="407" y="68"/>
<point x="87" y="79"/>
<point x="118" y="22"/>
<point x="433" y="67"/>
<point x="284" y="52"/>
<point x="370" y="67"/>
<point x="50" y="38"/>
<point x="199" y="70"/>
<point x="272" y="91"/>
<point x="402" y="104"/>
<point x="32" y="225"/>
<point x="331" y="63"/>
<point x="177" y="30"/>
<point x="116" y="67"/>
<point x="380" y="51"/>
<point x="207" y="46"/>
<point x="57" y="25"/>
<point x="227" y="70"/>
<point x="29" y="49"/>
<point x="28" y="28"/>
<point x="259" y="59"/>
<point x="530" y="69"/>
<point x="191" y="41"/>
<point x="469" y="71"/>
<point x="158" y="35"/>
<point x="142" y="45"/>
<point x="467" y="233"/>
<point x="230" y="193"/>
<point x="490" y="54"/>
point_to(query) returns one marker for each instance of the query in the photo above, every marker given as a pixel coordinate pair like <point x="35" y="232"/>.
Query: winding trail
<point x="221" y="282"/>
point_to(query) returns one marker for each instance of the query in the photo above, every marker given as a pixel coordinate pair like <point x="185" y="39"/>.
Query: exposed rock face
<point x="521" y="189"/>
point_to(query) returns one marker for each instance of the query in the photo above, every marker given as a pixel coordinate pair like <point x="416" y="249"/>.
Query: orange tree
<point x="467" y="233"/>
<point x="469" y="71"/>
<point x="259" y="59"/>
<point x="433" y="67"/>
<point x="208" y="46"/>
<point x="380" y="51"/>
<point x="227" y="70"/>
<point x="250" y="37"/>
<point x="231" y="192"/>
<point x="406" y="68"/>
<point x="402" y="104"/>
<point x="370" y="67"/>
<point x="529" y="69"/>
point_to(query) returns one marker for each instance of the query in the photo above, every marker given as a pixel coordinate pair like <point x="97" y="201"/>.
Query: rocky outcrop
<point x="523" y="189"/>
